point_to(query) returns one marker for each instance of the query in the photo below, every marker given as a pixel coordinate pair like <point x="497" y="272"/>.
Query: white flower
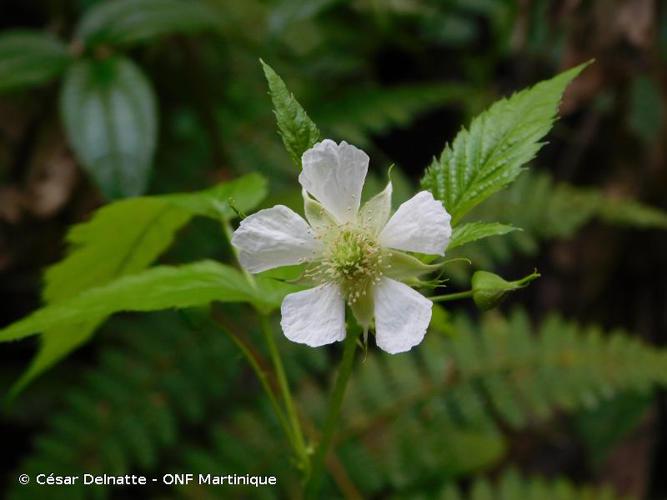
<point x="352" y="255"/>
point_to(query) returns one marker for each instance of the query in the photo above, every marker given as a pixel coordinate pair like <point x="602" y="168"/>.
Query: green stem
<point x="296" y="434"/>
<point x="264" y="380"/>
<point x="451" y="296"/>
<point x="527" y="279"/>
<point x="333" y="414"/>
<point x="292" y="416"/>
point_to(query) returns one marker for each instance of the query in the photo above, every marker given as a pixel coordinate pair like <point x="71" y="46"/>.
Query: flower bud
<point x="489" y="290"/>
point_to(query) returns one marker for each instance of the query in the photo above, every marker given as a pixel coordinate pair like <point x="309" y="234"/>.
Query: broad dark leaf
<point x="110" y="116"/>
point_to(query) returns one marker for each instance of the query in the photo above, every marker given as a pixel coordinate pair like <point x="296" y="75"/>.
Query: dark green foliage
<point x="646" y="113"/>
<point x="511" y="486"/>
<point x="127" y="22"/>
<point x="453" y="389"/>
<point x="604" y="426"/>
<point x="361" y="112"/>
<point x="30" y="58"/>
<point x="546" y="210"/>
<point x="411" y="423"/>
<point x="249" y="444"/>
<point x="564" y="367"/>
<point x="110" y="115"/>
<point x="130" y="411"/>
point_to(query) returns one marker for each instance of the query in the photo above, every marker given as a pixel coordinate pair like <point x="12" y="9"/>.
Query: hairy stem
<point x="333" y="414"/>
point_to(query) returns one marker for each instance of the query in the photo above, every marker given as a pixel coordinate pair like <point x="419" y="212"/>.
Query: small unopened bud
<point x="489" y="290"/>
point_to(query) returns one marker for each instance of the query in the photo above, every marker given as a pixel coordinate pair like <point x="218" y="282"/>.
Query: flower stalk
<point x="451" y="296"/>
<point x="488" y="289"/>
<point x="353" y="255"/>
<point x="264" y="381"/>
<point x="296" y="433"/>
<point x="289" y="419"/>
<point x="333" y="414"/>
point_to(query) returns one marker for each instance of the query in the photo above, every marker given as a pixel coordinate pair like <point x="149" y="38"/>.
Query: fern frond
<point x="441" y="407"/>
<point x="545" y="210"/>
<point x="129" y="411"/>
<point x="427" y="419"/>
<point x="247" y="445"/>
<point x="360" y="113"/>
<point x="564" y="367"/>
<point x="512" y="486"/>
<point x="503" y="365"/>
<point x="548" y="209"/>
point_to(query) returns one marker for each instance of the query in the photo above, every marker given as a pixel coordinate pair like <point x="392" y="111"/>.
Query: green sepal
<point x="406" y="268"/>
<point x="317" y="216"/>
<point x="489" y="290"/>
<point x="364" y="310"/>
<point x="375" y="213"/>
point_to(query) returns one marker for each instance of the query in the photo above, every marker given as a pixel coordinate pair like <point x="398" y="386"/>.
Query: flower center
<point x="353" y="259"/>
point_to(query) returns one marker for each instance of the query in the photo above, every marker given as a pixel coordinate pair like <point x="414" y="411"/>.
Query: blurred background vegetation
<point x="490" y="403"/>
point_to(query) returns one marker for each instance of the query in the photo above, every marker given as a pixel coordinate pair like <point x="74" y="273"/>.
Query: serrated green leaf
<point x="500" y="141"/>
<point x="126" y="22"/>
<point x="161" y="287"/>
<point x="297" y="130"/>
<point x="473" y="231"/>
<point x="121" y="239"/>
<point x="126" y="236"/>
<point x="110" y="116"/>
<point x="30" y="58"/>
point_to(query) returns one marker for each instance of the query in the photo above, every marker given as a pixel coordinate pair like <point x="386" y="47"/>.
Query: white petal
<point x="314" y="317"/>
<point x="402" y="316"/>
<point x="334" y="174"/>
<point x="421" y="224"/>
<point x="274" y="237"/>
<point x="375" y="212"/>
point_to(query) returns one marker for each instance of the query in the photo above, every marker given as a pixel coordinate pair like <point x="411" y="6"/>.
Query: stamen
<point x="353" y="259"/>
